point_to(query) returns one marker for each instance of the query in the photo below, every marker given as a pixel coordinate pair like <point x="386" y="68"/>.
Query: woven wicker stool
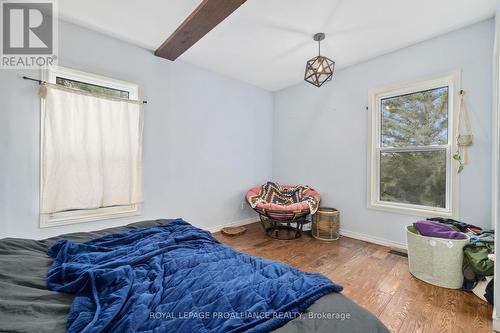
<point x="326" y="224"/>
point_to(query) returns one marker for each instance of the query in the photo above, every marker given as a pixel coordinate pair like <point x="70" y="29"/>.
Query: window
<point x="99" y="85"/>
<point x="92" y="88"/>
<point x="410" y="163"/>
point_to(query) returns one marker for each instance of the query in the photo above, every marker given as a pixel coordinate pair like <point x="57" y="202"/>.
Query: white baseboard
<point x="373" y="239"/>
<point x="343" y="232"/>
<point x="496" y="320"/>
<point x="232" y="224"/>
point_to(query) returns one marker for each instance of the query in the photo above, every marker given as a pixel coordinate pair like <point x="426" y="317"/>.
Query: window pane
<point x="417" y="178"/>
<point x="416" y="119"/>
<point x="92" y="88"/>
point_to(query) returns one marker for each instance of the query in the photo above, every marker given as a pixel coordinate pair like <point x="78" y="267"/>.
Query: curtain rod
<point x="42" y="82"/>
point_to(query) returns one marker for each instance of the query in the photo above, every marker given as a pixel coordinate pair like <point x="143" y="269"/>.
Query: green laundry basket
<point x="437" y="261"/>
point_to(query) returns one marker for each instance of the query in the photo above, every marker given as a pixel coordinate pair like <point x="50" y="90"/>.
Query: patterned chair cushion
<point x="284" y="198"/>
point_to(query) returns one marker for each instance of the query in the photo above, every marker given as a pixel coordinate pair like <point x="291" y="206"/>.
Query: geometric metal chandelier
<point x="319" y="69"/>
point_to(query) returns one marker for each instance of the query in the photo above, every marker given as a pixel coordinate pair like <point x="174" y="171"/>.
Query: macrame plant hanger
<point x="464" y="138"/>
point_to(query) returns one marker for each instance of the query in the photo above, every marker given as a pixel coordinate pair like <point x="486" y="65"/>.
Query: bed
<point x="26" y="305"/>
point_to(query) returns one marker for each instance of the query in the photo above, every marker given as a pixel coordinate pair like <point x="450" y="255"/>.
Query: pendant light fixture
<point x="319" y="69"/>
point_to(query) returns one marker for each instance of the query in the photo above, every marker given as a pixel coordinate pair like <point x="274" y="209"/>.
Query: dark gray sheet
<point x="27" y="306"/>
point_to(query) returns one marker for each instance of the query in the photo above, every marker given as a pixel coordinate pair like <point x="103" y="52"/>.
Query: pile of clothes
<point x="478" y="254"/>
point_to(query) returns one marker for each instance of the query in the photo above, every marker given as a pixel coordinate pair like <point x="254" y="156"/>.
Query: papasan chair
<point x="283" y="208"/>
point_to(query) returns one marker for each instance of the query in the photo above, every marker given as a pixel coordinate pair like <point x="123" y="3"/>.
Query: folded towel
<point x="436" y="229"/>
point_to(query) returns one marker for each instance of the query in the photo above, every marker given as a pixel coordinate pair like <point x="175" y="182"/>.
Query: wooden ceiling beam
<point x="204" y="18"/>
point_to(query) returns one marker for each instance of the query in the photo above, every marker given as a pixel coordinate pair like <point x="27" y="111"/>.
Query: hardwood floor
<point x="376" y="280"/>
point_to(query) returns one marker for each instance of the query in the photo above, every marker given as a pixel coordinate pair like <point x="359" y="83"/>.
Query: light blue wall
<point x="320" y="135"/>
<point x="207" y="137"/>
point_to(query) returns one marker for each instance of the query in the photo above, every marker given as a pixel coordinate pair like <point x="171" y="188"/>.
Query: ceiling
<point x="267" y="42"/>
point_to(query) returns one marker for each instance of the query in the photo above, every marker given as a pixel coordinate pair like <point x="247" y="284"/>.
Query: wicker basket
<point x="326" y="224"/>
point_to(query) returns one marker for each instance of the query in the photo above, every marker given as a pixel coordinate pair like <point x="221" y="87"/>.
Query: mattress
<point x="27" y="306"/>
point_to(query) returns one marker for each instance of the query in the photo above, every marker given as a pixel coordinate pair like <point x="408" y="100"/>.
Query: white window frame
<point x="452" y="81"/>
<point x="78" y="216"/>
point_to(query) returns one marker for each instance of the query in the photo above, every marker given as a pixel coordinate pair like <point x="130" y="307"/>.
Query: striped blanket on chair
<point x="284" y="195"/>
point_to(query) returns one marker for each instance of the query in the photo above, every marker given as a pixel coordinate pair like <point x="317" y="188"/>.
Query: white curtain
<point x="91" y="151"/>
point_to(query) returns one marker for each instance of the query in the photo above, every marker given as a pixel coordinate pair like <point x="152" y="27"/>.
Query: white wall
<point x="205" y="137"/>
<point x="320" y="135"/>
<point x="495" y="177"/>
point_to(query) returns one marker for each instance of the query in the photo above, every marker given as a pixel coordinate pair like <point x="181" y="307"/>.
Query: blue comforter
<point x="177" y="278"/>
